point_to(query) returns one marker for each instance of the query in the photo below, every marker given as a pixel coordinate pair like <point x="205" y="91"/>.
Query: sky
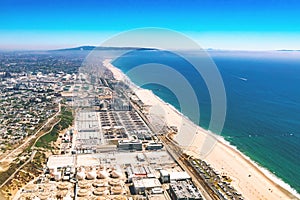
<point x="218" y="24"/>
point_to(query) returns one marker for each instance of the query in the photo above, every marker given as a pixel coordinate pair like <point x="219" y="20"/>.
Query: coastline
<point x="248" y="177"/>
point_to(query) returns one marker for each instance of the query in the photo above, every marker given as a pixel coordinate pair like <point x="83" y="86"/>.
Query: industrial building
<point x="166" y="177"/>
<point x="88" y="135"/>
<point x="139" y="172"/>
<point x="130" y="145"/>
<point x="183" y="190"/>
<point x="141" y="185"/>
<point x="154" y="146"/>
<point x="179" y="176"/>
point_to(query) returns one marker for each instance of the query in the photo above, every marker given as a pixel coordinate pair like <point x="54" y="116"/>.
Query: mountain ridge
<point x="90" y="48"/>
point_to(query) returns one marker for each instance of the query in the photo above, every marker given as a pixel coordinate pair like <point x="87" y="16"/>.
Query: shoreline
<point x="248" y="176"/>
<point x="285" y="187"/>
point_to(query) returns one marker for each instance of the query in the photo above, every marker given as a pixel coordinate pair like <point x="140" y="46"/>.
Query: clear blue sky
<point x="225" y="24"/>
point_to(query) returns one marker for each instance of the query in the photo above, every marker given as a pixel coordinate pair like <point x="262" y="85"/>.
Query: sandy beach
<point x="252" y="181"/>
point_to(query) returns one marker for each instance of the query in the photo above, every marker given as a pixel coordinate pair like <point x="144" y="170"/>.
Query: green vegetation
<point x="66" y="120"/>
<point x="45" y="140"/>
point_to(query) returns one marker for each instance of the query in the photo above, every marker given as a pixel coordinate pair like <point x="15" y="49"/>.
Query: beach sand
<point x="252" y="181"/>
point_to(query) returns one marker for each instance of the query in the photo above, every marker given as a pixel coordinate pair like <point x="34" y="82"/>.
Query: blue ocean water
<point x="263" y="102"/>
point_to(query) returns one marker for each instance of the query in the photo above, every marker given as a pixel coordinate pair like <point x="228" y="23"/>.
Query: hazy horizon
<point x="92" y="45"/>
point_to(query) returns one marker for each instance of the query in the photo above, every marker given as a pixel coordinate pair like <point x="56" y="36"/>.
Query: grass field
<point x="66" y="120"/>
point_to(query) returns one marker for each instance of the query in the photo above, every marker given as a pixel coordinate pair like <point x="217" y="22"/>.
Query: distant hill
<point x="287" y="50"/>
<point x="81" y="48"/>
<point x="90" y="48"/>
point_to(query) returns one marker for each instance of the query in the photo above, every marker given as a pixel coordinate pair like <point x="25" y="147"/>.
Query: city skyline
<point x="232" y="25"/>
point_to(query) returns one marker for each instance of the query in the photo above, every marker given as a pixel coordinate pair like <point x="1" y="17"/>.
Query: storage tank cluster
<point x="100" y="173"/>
<point x="106" y="180"/>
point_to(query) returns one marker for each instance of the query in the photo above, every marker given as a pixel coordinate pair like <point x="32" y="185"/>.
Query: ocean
<point x="263" y="102"/>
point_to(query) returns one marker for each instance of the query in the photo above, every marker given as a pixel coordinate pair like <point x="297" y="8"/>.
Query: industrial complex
<point x="109" y="153"/>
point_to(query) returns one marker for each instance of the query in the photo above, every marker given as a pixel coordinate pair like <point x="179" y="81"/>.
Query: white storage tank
<point x="103" y="174"/>
<point x="91" y="174"/>
<point x="80" y="175"/>
<point x="116" y="174"/>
